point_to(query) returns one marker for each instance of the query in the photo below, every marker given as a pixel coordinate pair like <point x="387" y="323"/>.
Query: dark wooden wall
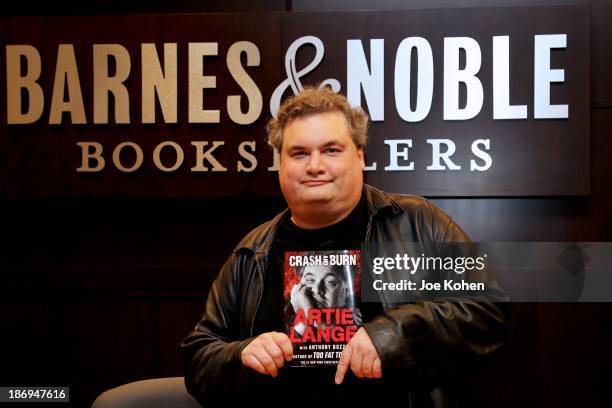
<point x="96" y="293"/>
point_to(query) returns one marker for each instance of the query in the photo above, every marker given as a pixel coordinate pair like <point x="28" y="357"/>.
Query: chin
<point x="316" y="198"/>
<point x="320" y="193"/>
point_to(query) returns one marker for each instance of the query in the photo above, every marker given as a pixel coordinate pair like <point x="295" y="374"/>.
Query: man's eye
<point x="332" y="150"/>
<point x="331" y="284"/>
<point x="299" y="153"/>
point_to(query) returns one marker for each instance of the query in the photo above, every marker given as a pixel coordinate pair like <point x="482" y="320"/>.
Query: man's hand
<point x="267" y="353"/>
<point x="361" y="356"/>
<point x="301" y="298"/>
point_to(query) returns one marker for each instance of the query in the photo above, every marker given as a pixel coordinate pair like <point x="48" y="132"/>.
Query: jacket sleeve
<point x="440" y="338"/>
<point x="211" y="352"/>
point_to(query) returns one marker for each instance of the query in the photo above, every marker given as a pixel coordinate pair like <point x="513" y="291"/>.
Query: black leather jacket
<point x="425" y="344"/>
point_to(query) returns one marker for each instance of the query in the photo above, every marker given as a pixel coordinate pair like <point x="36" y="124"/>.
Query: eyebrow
<point x="328" y="144"/>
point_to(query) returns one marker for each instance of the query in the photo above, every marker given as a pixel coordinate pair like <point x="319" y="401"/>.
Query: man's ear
<point x="361" y="156"/>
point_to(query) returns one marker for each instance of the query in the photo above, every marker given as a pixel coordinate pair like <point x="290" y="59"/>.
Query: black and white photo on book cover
<point x="322" y="297"/>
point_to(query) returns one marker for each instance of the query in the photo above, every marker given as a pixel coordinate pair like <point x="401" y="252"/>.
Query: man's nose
<point x="315" y="164"/>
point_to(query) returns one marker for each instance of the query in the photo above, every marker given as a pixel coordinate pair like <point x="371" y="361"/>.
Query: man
<point x="238" y="349"/>
<point x="321" y="287"/>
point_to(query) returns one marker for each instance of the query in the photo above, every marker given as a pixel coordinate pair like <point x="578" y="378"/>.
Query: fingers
<point x="282" y="340"/>
<point x="343" y="364"/>
<point x="367" y="366"/>
<point x="267" y="353"/>
<point x="295" y="291"/>
<point x="259" y="360"/>
<point x="251" y="361"/>
<point x="301" y="297"/>
<point x="274" y="352"/>
<point x="294" y="297"/>
<point x="377" y="368"/>
<point x="371" y="367"/>
<point x="306" y="296"/>
<point x="361" y="356"/>
<point x="356" y="362"/>
<point x="264" y="359"/>
<point x="298" y="290"/>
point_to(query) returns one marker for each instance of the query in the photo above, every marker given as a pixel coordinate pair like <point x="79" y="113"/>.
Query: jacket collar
<point x="379" y="202"/>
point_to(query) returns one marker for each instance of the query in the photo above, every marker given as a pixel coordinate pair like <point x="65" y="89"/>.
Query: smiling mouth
<point x="315" y="182"/>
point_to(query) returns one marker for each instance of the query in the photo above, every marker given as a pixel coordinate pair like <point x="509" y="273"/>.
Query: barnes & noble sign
<point x="463" y="102"/>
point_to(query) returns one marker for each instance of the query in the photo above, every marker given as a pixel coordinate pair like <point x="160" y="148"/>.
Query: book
<point x="322" y="296"/>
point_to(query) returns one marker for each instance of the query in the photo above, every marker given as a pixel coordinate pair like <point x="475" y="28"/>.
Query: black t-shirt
<point x="348" y="234"/>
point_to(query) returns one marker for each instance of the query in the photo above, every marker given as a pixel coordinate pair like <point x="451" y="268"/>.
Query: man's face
<point x="319" y="163"/>
<point x="328" y="289"/>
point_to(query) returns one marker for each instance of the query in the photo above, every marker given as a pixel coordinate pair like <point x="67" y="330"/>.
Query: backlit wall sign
<point x="463" y="102"/>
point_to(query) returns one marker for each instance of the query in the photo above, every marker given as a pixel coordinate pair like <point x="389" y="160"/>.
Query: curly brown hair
<point x="317" y="100"/>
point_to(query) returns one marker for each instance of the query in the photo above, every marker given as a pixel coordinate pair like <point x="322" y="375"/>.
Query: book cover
<point x="322" y="295"/>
